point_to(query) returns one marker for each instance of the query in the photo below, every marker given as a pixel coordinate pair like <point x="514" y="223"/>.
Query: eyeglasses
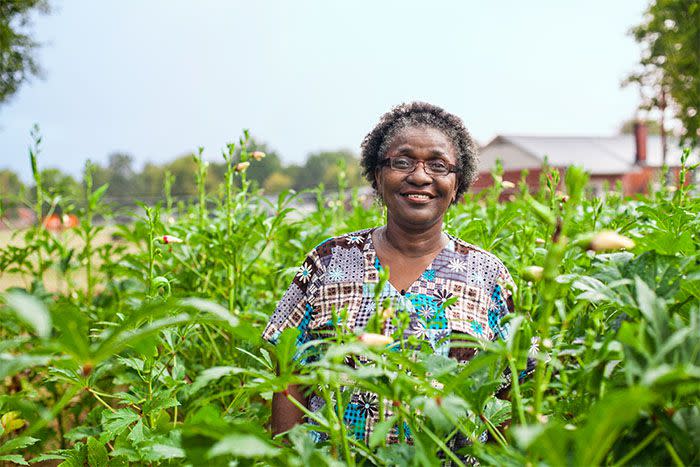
<point x="433" y="167"/>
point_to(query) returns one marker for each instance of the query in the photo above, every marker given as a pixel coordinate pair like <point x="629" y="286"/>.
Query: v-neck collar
<point x="369" y="246"/>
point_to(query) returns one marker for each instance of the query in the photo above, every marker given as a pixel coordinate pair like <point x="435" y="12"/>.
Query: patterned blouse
<point x="342" y="272"/>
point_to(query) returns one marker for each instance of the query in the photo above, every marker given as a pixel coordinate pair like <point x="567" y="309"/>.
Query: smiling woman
<point x="419" y="159"/>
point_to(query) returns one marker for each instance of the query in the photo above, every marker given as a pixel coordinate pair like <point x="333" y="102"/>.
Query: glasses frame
<point x="387" y="162"/>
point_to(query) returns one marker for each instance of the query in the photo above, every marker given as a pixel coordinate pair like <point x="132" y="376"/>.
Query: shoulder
<point x="350" y="240"/>
<point x="479" y="256"/>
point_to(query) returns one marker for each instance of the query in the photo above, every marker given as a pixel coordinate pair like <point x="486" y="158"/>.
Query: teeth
<point x="417" y="196"/>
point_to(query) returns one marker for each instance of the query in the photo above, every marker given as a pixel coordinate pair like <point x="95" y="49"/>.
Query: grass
<point x="54" y="281"/>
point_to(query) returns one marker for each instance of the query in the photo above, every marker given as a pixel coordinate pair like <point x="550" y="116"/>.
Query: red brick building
<point x="633" y="159"/>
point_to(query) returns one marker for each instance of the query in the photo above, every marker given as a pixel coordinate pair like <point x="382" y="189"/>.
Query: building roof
<point x="598" y="155"/>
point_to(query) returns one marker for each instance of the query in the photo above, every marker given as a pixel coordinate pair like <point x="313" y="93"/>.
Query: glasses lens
<point x="437" y="167"/>
<point x="402" y="164"/>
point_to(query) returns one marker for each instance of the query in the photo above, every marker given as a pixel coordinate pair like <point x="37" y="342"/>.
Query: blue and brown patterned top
<point x="341" y="274"/>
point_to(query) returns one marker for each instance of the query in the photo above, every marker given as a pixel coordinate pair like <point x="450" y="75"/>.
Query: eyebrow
<point x="402" y="150"/>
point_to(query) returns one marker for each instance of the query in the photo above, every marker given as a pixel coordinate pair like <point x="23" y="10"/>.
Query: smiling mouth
<point x="417" y="196"/>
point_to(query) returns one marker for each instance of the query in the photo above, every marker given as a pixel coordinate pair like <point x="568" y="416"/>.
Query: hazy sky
<point x="156" y="79"/>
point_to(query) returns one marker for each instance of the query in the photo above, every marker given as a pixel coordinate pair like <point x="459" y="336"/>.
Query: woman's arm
<point x="284" y="413"/>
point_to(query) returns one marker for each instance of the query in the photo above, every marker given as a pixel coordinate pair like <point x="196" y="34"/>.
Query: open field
<point x="153" y="354"/>
<point x="53" y="280"/>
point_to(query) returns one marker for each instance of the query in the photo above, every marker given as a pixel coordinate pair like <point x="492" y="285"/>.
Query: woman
<point x="420" y="160"/>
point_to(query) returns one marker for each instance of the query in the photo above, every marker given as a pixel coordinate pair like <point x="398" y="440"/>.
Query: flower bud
<point x="375" y="340"/>
<point x="539" y="241"/>
<point x="533" y="273"/>
<point x="241" y="166"/>
<point x="167" y="239"/>
<point x="506" y="184"/>
<point x="258" y="155"/>
<point x="610" y="240"/>
<point x="388" y="313"/>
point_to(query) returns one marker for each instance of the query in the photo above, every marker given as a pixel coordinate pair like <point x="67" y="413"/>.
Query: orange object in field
<point x="56" y="223"/>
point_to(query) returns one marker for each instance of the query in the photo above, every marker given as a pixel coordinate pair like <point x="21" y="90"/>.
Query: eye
<point x="401" y="163"/>
<point x="438" y="165"/>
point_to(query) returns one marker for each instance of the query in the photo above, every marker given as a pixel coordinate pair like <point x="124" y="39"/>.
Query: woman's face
<point x="417" y="200"/>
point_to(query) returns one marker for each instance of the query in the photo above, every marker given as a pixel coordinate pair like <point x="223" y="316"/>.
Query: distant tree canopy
<point x="127" y="184"/>
<point x="323" y="167"/>
<point x="669" y="73"/>
<point x="17" y="63"/>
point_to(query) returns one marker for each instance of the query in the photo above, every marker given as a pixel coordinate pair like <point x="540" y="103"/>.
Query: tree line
<point x="127" y="184"/>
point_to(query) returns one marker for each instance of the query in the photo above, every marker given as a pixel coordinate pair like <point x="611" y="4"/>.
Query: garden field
<point x="141" y="345"/>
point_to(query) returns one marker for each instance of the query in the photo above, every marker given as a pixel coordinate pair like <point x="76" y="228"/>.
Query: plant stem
<point x="638" y="448"/>
<point x="674" y="455"/>
<point x="100" y="400"/>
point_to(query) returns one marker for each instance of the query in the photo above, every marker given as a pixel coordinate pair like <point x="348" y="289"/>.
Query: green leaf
<point x="118" y="421"/>
<point x="243" y="445"/>
<point x="214" y="373"/>
<point x="646" y="299"/>
<point x="606" y="420"/>
<point x="30" y="310"/>
<point x="163" y="451"/>
<point x="97" y="453"/>
<point x="550" y="441"/>
<point x="13" y="364"/>
<point x="211" y="307"/>
<point x="16" y="458"/>
<point x="17" y="443"/>
<point x="129" y="337"/>
<point x="137" y="435"/>
<point x="286" y="349"/>
<point x="95" y="196"/>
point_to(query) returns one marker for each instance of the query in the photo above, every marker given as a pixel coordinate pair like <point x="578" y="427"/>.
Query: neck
<point x="414" y="243"/>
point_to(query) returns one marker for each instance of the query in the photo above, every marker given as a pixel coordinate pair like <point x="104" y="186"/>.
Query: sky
<point x="156" y="79"/>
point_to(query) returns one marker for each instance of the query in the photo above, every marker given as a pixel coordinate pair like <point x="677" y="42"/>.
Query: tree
<point x="260" y="171"/>
<point x="121" y="177"/>
<point x="10" y="184"/>
<point x="151" y="181"/>
<point x="324" y="167"/>
<point x="184" y="169"/>
<point x="669" y="73"/>
<point x="59" y="184"/>
<point x="11" y="188"/>
<point x="653" y="127"/>
<point x="17" y="63"/>
<point x="278" y="182"/>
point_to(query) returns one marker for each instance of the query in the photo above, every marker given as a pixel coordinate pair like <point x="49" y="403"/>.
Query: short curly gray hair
<point x="420" y="114"/>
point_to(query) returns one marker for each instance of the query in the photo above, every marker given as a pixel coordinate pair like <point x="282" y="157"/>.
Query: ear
<point x="378" y="178"/>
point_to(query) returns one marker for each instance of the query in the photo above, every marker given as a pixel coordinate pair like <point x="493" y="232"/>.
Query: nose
<point x="419" y="176"/>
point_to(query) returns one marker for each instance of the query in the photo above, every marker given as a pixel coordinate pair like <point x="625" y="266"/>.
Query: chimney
<point x="640" y="143"/>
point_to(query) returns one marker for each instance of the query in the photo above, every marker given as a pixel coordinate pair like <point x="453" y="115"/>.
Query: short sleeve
<point x="295" y="309"/>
